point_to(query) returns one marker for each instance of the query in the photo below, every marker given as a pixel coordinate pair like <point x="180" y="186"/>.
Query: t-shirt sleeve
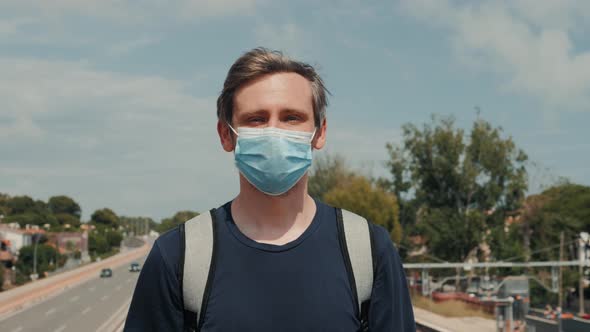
<point x="156" y="304"/>
<point x="391" y="307"/>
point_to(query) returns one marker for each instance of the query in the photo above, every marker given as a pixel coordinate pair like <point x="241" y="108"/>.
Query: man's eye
<point x="256" y="120"/>
<point x="293" y="118"/>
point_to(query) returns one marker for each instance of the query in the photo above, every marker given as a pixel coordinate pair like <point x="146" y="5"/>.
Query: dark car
<point x="134" y="267"/>
<point x="106" y="273"/>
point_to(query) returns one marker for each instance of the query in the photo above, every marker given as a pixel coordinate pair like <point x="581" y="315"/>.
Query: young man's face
<point x="282" y="100"/>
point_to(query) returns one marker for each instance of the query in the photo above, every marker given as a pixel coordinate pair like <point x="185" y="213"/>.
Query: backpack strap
<point x="198" y="267"/>
<point x="356" y="244"/>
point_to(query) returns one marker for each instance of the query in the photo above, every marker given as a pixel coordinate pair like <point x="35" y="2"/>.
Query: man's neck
<point x="273" y="219"/>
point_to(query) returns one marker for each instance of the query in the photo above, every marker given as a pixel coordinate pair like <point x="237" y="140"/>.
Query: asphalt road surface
<point x="85" y="307"/>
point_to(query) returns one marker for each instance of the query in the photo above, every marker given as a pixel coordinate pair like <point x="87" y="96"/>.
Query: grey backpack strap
<point x="356" y="244"/>
<point x="199" y="264"/>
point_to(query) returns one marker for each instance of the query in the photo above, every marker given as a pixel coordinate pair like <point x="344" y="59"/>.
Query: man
<point x="279" y="265"/>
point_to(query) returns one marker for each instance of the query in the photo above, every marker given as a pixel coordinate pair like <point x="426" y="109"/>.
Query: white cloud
<point x="129" y="46"/>
<point x="138" y="144"/>
<point x="286" y="37"/>
<point x="363" y="147"/>
<point x="212" y="8"/>
<point x="21" y="126"/>
<point x="9" y="27"/>
<point x="33" y="86"/>
<point x="57" y="23"/>
<point x="131" y="11"/>
<point x="528" y="43"/>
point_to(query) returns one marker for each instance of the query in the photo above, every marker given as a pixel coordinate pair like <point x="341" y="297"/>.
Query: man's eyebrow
<point x="293" y="110"/>
<point x="264" y="112"/>
<point x="253" y="112"/>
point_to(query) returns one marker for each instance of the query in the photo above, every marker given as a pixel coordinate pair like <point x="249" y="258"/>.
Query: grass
<point x="451" y="308"/>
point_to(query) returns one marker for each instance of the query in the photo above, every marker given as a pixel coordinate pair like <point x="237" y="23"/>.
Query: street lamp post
<point x="584" y="240"/>
<point x="35" y="255"/>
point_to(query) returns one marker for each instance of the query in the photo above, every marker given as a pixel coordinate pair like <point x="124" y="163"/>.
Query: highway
<point x="85" y="307"/>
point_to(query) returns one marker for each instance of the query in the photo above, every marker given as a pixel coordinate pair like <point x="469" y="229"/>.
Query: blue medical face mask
<point x="273" y="160"/>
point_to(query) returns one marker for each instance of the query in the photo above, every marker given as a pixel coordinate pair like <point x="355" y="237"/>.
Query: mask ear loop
<point x="315" y="129"/>
<point x="232" y="129"/>
<point x="235" y="132"/>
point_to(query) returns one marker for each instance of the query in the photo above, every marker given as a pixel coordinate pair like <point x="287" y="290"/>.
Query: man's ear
<point x="320" y="136"/>
<point x="226" y="136"/>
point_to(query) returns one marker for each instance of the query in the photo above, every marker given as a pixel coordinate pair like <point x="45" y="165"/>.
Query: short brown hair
<point x="259" y="62"/>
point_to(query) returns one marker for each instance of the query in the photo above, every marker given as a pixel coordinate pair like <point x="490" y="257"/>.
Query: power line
<point x="424" y="254"/>
<point x="538" y="251"/>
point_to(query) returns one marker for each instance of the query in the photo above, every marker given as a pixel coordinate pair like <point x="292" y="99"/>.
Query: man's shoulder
<point x="170" y="243"/>
<point x="384" y="248"/>
<point x="382" y="242"/>
<point x="169" y="246"/>
<point x="169" y="236"/>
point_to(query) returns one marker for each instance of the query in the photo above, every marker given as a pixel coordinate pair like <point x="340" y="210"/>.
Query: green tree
<point x="98" y="243"/>
<point x="459" y="185"/>
<point x="562" y="208"/>
<point x="357" y="194"/>
<point x="106" y="217"/>
<point x="114" y="238"/>
<point x="4" y="204"/>
<point x="178" y="218"/>
<point x="451" y="236"/>
<point x="64" y="205"/>
<point x="327" y="172"/>
<point x="47" y="259"/>
<point x="20" y="204"/>
<point x="66" y="218"/>
<point x="24" y="210"/>
<point x="571" y="201"/>
<point x="32" y="218"/>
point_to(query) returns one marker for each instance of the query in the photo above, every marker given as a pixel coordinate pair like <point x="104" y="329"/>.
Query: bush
<point x="45" y="255"/>
<point x="114" y="239"/>
<point x="103" y="241"/>
<point x="97" y="243"/>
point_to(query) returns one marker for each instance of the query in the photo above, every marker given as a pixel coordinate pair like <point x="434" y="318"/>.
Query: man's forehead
<point x="283" y="90"/>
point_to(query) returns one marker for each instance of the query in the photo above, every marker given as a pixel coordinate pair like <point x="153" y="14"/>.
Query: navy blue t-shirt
<point x="299" y="286"/>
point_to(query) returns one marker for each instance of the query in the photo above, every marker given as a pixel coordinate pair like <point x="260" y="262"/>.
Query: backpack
<point x="196" y="274"/>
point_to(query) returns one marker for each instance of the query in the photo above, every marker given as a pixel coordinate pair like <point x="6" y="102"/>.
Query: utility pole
<point x="36" y="235"/>
<point x="560" y="294"/>
<point x="581" y="289"/>
<point x="584" y="239"/>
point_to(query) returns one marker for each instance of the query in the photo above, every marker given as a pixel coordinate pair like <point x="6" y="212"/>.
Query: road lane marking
<point x="104" y="298"/>
<point x="50" y="311"/>
<point x="119" y="287"/>
<point x="92" y="288"/>
<point x="85" y="311"/>
<point x="60" y="329"/>
<point x="75" y="298"/>
<point x="118" y="317"/>
<point x="129" y="280"/>
<point x="18" y="329"/>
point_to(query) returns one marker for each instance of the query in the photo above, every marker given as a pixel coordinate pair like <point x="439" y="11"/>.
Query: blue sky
<point x="113" y="102"/>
